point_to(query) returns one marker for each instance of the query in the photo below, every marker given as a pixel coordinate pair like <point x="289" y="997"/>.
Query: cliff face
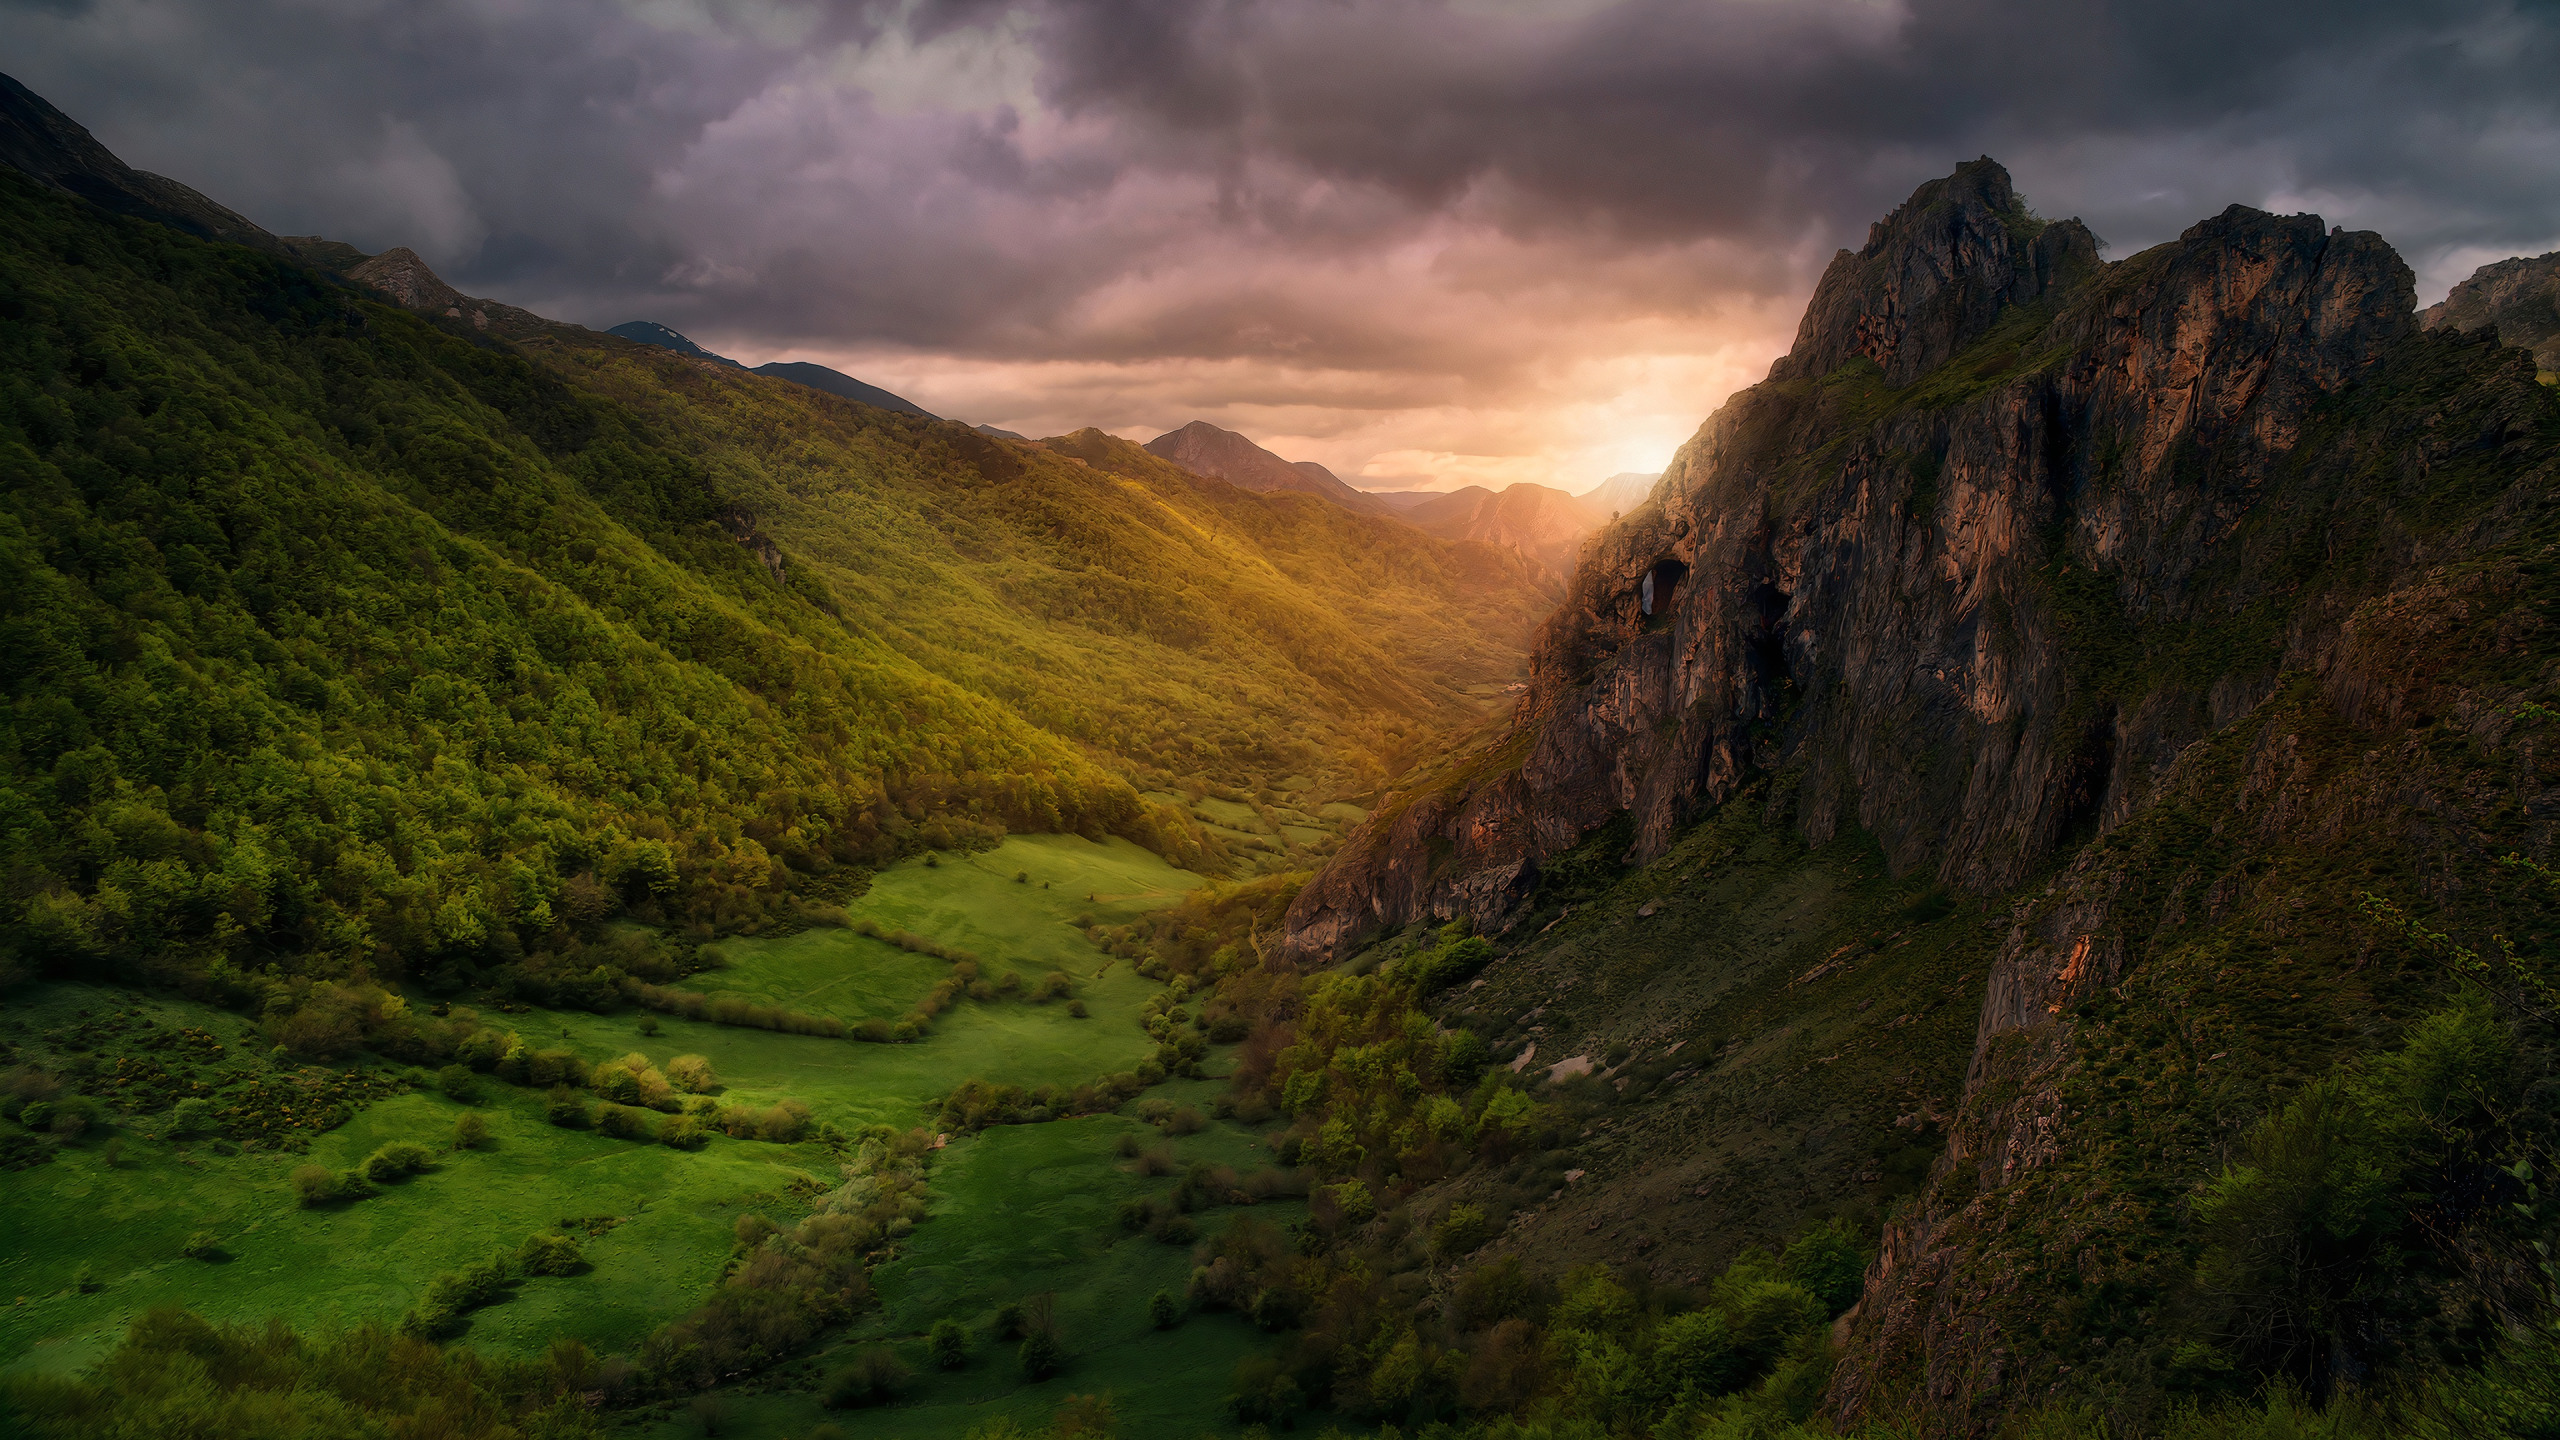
<point x="1898" y="572"/>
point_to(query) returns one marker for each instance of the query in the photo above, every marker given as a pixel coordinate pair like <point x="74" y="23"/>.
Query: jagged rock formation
<point x="1870" y="585"/>
<point x="2010" y="559"/>
<point x="2519" y="298"/>
<point x="1204" y="449"/>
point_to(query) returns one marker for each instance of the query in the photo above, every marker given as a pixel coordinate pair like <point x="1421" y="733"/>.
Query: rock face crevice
<point x="1908" y="561"/>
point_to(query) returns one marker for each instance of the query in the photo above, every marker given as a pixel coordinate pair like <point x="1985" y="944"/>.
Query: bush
<point x="399" y="1159"/>
<point x="1077" y="1009"/>
<point x="1163" y="1311"/>
<point x="565" y="1108"/>
<point x="548" y="1255"/>
<point x="622" y="1122"/>
<point x="1041" y="1355"/>
<point x="875" y="1376"/>
<point x="1052" y="986"/>
<point x="203" y="1246"/>
<point x="692" y="1074"/>
<point x="682" y="1132"/>
<point x="317" y="1186"/>
<point x="1009" y="1320"/>
<point x="458" y="1083"/>
<point x="470" y="1131"/>
<point x="1460" y="1231"/>
<point x="37" y="1115"/>
<point x="949" y="1345"/>
<point x="191" y="1116"/>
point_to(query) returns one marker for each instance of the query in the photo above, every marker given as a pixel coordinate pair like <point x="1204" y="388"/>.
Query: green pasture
<point x="1021" y="1209"/>
<point x="127" y="1223"/>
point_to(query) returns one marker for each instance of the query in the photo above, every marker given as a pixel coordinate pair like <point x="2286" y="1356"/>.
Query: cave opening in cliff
<point x="1661" y="583"/>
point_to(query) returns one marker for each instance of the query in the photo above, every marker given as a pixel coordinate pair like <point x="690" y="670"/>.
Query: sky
<point x="1427" y="243"/>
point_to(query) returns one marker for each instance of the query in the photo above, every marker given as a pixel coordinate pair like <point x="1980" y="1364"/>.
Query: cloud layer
<point x="1423" y="241"/>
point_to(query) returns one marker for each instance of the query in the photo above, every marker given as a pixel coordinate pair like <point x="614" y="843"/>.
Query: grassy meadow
<point x="96" y="1238"/>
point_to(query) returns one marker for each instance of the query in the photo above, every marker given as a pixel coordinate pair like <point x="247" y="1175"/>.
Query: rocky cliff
<point x="2173" y="605"/>
<point x="1891" y="571"/>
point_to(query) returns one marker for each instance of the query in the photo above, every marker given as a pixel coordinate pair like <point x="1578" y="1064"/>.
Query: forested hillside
<point x="338" y="637"/>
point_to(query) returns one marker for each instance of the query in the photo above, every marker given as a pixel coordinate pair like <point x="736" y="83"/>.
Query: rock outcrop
<point x="2519" y="298"/>
<point x="1890" y="571"/>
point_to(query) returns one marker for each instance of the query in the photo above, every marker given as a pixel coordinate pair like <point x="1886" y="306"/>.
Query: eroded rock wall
<point x="1894" y="569"/>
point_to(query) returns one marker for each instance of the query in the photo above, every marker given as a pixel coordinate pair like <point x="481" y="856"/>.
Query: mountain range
<point x="798" y="372"/>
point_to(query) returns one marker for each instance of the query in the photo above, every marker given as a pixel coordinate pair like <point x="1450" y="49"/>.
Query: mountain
<point x="46" y="145"/>
<point x="649" y="332"/>
<point x="2520" y="298"/>
<point x="1531" y="520"/>
<point x="798" y="372"/>
<point x="1401" y="500"/>
<point x="313" y="587"/>
<point x="998" y="434"/>
<point x="2062" y="764"/>
<point x="1204" y="449"/>
<point x="1619" y="493"/>
<point x="836" y="382"/>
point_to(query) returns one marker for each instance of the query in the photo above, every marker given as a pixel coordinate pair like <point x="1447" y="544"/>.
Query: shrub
<point x="875" y="1375"/>
<point x="548" y="1255"/>
<point x="1077" y="1009"/>
<point x="1163" y="1311"/>
<point x="317" y="1185"/>
<point x="949" y="1345"/>
<point x="649" y="1025"/>
<point x="1009" y="1320"/>
<point x="1041" y="1355"/>
<point x="682" y="1132"/>
<point x="565" y="1108"/>
<point x="622" y="1122"/>
<point x="191" y="1116"/>
<point x="203" y="1246"/>
<point x="692" y="1074"/>
<point x="398" y="1158"/>
<point x="37" y="1115"/>
<point x="1186" y="1121"/>
<point x="1051" y="987"/>
<point x="1460" y="1231"/>
<point x="458" y="1083"/>
<point x="470" y="1131"/>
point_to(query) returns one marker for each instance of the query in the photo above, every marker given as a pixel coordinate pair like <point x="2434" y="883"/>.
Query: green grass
<point x="1016" y="1209"/>
<point x="1021" y="1209"/>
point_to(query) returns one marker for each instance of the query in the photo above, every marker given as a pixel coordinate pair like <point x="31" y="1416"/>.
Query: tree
<point x="458" y="1083"/>
<point x="1163" y="1311"/>
<point x="203" y="1245"/>
<point x="949" y="1345"/>
<point x="191" y="1116"/>
<point x="565" y="1108"/>
<point x="875" y="1375"/>
<point x="1041" y="1355"/>
<point x="470" y="1131"/>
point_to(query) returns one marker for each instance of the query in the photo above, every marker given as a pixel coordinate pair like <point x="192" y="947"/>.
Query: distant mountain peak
<point x="650" y="332"/>
<point x="1205" y="449"/>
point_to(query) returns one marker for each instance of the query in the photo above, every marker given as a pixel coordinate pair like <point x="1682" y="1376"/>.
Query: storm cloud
<point x="1427" y="242"/>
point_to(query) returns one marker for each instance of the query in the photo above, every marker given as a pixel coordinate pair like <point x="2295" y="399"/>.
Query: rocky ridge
<point x="2200" y="543"/>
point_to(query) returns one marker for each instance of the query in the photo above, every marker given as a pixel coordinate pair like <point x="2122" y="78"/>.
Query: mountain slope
<point x="1619" y="493"/>
<point x="798" y="372"/>
<point x="2061" y="672"/>
<point x="2519" y="297"/>
<point x="1531" y="520"/>
<point x="49" y="147"/>
<point x="339" y="636"/>
<point x="1204" y="449"/>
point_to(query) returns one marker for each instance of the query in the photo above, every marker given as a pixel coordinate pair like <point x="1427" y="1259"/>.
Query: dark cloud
<point x="1422" y="236"/>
